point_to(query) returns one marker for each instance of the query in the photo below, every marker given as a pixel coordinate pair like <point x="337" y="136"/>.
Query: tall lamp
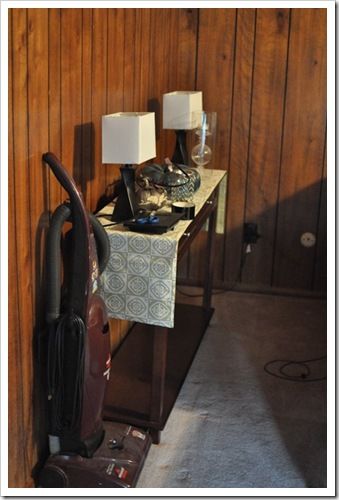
<point x="129" y="139"/>
<point x="180" y="114"/>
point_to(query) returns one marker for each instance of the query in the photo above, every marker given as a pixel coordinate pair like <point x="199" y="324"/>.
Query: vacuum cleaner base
<point x="117" y="462"/>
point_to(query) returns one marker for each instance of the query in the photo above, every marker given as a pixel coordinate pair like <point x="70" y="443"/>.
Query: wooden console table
<point x="150" y="365"/>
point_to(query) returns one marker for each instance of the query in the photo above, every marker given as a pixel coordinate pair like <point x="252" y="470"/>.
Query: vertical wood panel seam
<point x="28" y="160"/>
<point x="197" y="50"/>
<point x="25" y="452"/>
<point x="60" y="90"/>
<point x="107" y="80"/>
<point x="281" y="150"/>
<point x="13" y="136"/>
<point x="49" y="108"/>
<point x="48" y="177"/>
<point x="250" y="116"/>
<point x="230" y="143"/>
<point x="123" y="66"/>
<point x="150" y="59"/>
<point x="319" y="208"/>
<point x="197" y="45"/>
<point x="80" y="136"/>
<point x="139" y="104"/>
<point x="91" y="108"/>
<point x="18" y="347"/>
<point x="107" y="46"/>
<point x="137" y="40"/>
<point x="232" y="91"/>
<point x="60" y="82"/>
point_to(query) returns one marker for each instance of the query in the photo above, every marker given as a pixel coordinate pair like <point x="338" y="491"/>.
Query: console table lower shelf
<point x="150" y="366"/>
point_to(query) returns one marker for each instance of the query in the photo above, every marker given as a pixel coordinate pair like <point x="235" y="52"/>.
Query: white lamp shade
<point x="128" y="138"/>
<point x="179" y="109"/>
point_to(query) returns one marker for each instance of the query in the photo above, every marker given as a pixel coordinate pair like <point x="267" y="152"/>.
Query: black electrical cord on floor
<point x="303" y="365"/>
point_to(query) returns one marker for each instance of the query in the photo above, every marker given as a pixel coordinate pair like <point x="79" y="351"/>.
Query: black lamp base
<point x="180" y="154"/>
<point x="126" y="206"/>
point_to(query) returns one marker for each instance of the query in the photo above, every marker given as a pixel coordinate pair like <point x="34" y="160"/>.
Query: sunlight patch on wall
<point x="221" y="210"/>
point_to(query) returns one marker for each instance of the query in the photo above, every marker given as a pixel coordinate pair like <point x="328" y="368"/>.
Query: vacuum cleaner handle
<point x="81" y="261"/>
<point x="65" y="180"/>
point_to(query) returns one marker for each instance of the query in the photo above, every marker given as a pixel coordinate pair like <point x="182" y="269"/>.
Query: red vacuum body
<point x="85" y="451"/>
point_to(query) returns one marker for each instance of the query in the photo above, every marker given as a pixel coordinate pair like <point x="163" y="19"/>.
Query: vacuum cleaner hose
<point x="53" y="262"/>
<point x="53" y="256"/>
<point x="102" y="242"/>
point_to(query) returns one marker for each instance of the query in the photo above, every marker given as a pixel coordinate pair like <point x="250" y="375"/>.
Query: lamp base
<point x="126" y="206"/>
<point x="180" y="154"/>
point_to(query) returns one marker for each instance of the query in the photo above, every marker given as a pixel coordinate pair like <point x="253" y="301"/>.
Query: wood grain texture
<point x="15" y="417"/>
<point x="215" y="74"/>
<point x="215" y="68"/>
<point x="128" y="67"/>
<point x="269" y="76"/>
<point x="38" y="140"/>
<point x="115" y="74"/>
<point x="54" y="92"/>
<point x="158" y="76"/>
<point x="303" y="147"/>
<point x="183" y="28"/>
<point x="239" y="138"/>
<point x="99" y="99"/>
<point x="23" y="242"/>
<point x="71" y="97"/>
<point x="86" y="132"/>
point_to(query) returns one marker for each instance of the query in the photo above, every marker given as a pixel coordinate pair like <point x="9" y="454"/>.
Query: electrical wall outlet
<point x="307" y="240"/>
<point x="250" y="234"/>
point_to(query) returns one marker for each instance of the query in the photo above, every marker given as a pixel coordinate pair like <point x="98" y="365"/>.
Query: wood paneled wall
<point x="262" y="70"/>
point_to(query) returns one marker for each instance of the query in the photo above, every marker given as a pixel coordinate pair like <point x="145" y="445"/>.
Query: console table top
<point x="139" y="281"/>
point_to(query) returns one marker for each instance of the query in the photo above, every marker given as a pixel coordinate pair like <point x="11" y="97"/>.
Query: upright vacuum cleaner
<point x="85" y="452"/>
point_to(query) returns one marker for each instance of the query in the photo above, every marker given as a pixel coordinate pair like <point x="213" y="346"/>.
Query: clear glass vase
<point x="205" y="132"/>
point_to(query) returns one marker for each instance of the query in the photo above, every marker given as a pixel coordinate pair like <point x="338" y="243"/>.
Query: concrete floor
<point x="234" y="425"/>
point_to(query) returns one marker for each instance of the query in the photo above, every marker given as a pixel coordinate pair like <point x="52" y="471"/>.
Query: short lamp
<point x="180" y="113"/>
<point x="127" y="138"/>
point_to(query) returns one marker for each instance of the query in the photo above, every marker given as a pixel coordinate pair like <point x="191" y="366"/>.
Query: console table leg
<point x="155" y="435"/>
<point x="158" y="378"/>
<point x="208" y="281"/>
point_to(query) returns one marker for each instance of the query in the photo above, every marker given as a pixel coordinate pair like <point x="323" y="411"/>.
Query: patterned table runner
<point x="139" y="281"/>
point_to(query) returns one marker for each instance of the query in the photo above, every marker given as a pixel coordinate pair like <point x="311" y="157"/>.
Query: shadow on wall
<point x="290" y="254"/>
<point x="278" y="260"/>
<point x="83" y="160"/>
<point x="39" y="341"/>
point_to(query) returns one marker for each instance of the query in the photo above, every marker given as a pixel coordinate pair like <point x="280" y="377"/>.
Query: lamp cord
<point x="98" y="216"/>
<point x="303" y="376"/>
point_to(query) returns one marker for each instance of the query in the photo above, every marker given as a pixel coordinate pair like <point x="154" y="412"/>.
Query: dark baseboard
<point x="255" y="288"/>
